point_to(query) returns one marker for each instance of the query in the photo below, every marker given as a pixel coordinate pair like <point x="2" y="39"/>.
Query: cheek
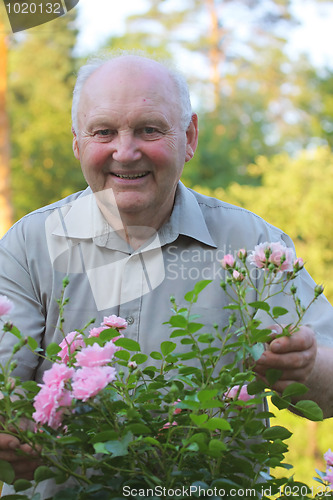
<point x="93" y="157"/>
<point x="163" y="154"/>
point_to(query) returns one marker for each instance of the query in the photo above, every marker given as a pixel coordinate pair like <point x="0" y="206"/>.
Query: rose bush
<point x="121" y="423"/>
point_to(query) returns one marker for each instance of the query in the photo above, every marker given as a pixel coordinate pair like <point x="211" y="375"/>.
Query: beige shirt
<point x="71" y="238"/>
<point x="106" y="276"/>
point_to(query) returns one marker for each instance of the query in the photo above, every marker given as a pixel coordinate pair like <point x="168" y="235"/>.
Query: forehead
<point x="127" y="85"/>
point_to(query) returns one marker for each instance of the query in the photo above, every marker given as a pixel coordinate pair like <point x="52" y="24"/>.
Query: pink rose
<point x="169" y="424"/>
<point x="298" y="263"/>
<point x="228" y="261"/>
<point x="95" y="332"/>
<point x="6" y="305"/>
<point x="266" y="253"/>
<point x="48" y="404"/>
<point x="114" y="321"/>
<point x="95" y="355"/>
<point x="89" y="381"/>
<point x="242" y="253"/>
<point x="58" y="374"/>
<point x="280" y="252"/>
<point x="177" y="410"/>
<point x="239" y="394"/>
<point x="328" y="456"/>
<point x="71" y="343"/>
<point x="237" y="275"/>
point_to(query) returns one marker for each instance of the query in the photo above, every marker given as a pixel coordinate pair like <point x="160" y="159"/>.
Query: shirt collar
<point x="186" y="219"/>
<point x="83" y="220"/>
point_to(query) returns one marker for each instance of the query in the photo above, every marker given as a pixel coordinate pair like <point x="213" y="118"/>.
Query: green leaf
<point x="199" y="419"/>
<point x="206" y="338"/>
<point x="178" y="333"/>
<point x="179" y="321"/>
<point x="187" y="355"/>
<point x="216" y="447"/>
<point x="279" y="311"/>
<point x="207" y="405"/>
<point x="124" y="355"/>
<point x="53" y="349"/>
<point x="194" y="327"/>
<point x="276" y="432"/>
<point x="156" y="355"/>
<point x="207" y="394"/>
<point x="129" y="344"/>
<point x="257" y="350"/>
<point x="108" y="334"/>
<point x="7" y="474"/>
<point x="256" y="387"/>
<point x="273" y="376"/>
<point x="258" y="304"/>
<point x="198" y="287"/>
<point x="43" y="473"/>
<point x="217" y="423"/>
<point x="138" y="428"/>
<point x="104" y="436"/>
<point x="139" y="358"/>
<point x="189" y="296"/>
<point x="68" y="440"/>
<point x="294" y="389"/>
<point x="12" y="329"/>
<point x="22" y="484"/>
<point x="310" y="410"/>
<point x="119" y="448"/>
<point x="280" y="403"/>
<point x="32" y="343"/>
<point x="167" y="347"/>
<point x="31" y="386"/>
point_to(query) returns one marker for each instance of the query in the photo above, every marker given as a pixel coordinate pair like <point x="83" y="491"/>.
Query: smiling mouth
<point x="133" y="176"/>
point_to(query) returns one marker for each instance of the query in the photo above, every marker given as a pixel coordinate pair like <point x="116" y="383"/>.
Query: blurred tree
<point x="245" y="87"/>
<point x="296" y="195"/>
<point x="316" y="99"/>
<point x="41" y="80"/>
<point x="6" y="212"/>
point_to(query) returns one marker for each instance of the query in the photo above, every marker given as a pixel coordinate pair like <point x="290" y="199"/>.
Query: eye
<point x="149" y="130"/>
<point x="104" y="132"/>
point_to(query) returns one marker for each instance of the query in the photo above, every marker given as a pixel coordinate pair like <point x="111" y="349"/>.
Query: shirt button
<point x="130" y="320"/>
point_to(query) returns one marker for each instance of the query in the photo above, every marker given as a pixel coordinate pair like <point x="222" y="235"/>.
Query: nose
<point x="126" y="148"/>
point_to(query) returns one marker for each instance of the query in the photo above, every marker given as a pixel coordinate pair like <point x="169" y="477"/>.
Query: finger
<point x="8" y="442"/>
<point x="290" y="361"/>
<point x="302" y="340"/>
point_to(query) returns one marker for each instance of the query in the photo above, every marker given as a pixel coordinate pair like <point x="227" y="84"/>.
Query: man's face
<point x="130" y="138"/>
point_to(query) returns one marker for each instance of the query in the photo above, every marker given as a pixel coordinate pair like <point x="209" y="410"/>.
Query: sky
<point x="100" y="19"/>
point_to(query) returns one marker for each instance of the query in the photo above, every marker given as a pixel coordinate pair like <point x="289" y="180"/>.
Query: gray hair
<point x="94" y="63"/>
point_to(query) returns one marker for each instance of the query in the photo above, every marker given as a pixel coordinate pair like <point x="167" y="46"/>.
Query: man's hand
<point x="21" y="456"/>
<point x="295" y="356"/>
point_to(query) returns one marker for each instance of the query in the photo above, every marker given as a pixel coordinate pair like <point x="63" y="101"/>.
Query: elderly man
<point x="136" y="235"/>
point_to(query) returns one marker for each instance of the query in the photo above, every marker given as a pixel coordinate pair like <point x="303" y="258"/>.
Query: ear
<point x="192" y="137"/>
<point x="75" y="145"/>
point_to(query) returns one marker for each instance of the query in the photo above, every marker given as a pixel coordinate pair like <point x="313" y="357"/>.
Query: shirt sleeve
<point x="18" y="281"/>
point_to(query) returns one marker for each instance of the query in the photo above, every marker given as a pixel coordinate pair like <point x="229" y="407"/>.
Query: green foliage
<point x="181" y="422"/>
<point x="41" y="79"/>
<point x="295" y="194"/>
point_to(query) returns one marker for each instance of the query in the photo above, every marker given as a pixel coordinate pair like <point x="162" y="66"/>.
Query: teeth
<point x="137" y="176"/>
